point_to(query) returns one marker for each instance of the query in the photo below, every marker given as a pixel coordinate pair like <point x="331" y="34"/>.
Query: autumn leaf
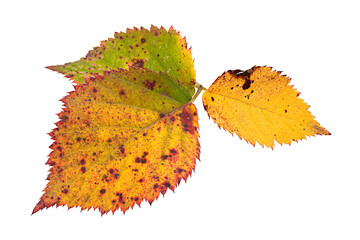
<point x="129" y="130"/>
<point x="156" y="49"/>
<point x="260" y="106"/>
<point x="124" y="135"/>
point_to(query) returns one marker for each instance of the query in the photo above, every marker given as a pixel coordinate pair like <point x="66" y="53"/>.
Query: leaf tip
<point x="52" y="68"/>
<point x="39" y="206"/>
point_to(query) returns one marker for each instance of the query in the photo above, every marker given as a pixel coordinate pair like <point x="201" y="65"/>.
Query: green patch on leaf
<point x="155" y="49"/>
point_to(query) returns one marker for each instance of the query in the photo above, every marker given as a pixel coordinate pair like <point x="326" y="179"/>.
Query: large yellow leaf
<point x="260" y="106"/>
<point x="123" y="138"/>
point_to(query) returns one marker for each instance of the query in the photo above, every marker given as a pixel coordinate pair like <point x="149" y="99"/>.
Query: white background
<point x="309" y="190"/>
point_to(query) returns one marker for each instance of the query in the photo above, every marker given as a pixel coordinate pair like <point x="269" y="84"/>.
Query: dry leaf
<point x="260" y="106"/>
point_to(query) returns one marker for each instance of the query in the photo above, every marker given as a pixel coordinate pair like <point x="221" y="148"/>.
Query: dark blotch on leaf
<point x="173" y="151"/>
<point x="122" y="149"/>
<point x="246" y="84"/>
<point x="138" y="63"/>
<point x="150" y="85"/>
<point x="236" y="71"/>
<point x="167" y="184"/>
<point x="187" y="121"/>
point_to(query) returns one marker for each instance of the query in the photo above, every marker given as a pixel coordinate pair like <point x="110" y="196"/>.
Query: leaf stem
<point x="199" y="88"/>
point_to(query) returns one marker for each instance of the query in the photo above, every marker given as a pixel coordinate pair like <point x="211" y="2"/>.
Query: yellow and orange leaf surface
<point x="260" y="106"/>
<point x="128" y="134"/>
<point x="119" y="143"/>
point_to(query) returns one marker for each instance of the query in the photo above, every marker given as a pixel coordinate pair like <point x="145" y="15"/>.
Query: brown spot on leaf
<point x="246" y="84"/>
<point x="187" y="121"/>
<point x="142" y="159"/>
<point x="143" y="40"/>
<point x="173" y="151"/>
<point x="51" y="163"/>
<point x="150" y="85"/>
<point x="236" y="72"/>
<point x="122" y="149"/>
<point x="83" y="169"/>
<point x="138" y="63"/>
<point x="167" y="184"/>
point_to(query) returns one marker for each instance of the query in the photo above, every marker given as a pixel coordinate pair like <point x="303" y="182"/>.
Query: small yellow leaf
<point x="260" y="106"/>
